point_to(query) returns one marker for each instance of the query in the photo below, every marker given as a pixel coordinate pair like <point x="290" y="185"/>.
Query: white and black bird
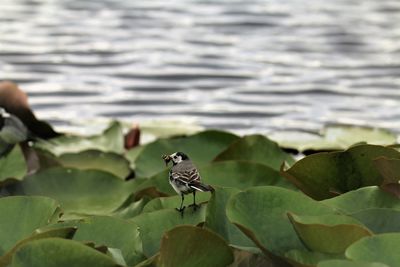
<point x="12" y="131"/>
<point x="184" y="177"/>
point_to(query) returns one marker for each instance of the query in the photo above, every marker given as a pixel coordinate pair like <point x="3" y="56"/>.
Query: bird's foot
<point x="195" y="206"/>
<point x="181" y="210"/>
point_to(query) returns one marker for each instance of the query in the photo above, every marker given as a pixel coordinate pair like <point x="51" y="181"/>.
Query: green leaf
<point x="363" y="198"/>
<point x="189" y="246"/>
<point x="260" y="213"/>
<point x="382" y="248"/>
<point x="111" y="140"/>
<point x="175" y="202"/>
<point x="389" y="169"/>
<point x="328" y="233"/>
<point x="256" y="148"/>
<point x="242" y="175"/>
<point x="153" y="225"/>
<point x="244" y="258"/>
<point x="303" y="258"/>
<point x="319" y="175"/>
<point x="132" y="154"/>
<point x="5" y="260"/>
<point x="13" y="165"/>
<point x="97" y="160"/>
<point x="149" y="161"/>
<point x="131" y="210"/>
<point x="217" y="221"/>
<point x="111" y="232"/>
<point x="379" y="220"/>
<point x="347" y="263"/>
<point x="334" y="137"/>
<point x="57" y="252"/>
<point x="79" y="191"/>
<point x="21" y="216"/>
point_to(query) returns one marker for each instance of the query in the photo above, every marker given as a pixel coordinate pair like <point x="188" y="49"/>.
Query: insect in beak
<point x="166" y="159"/>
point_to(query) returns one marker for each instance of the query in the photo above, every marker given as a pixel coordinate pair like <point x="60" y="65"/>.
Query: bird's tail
<point x="201" y="187"/>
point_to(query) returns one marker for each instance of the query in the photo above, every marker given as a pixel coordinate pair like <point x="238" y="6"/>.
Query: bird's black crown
<point x="182" y="155"/>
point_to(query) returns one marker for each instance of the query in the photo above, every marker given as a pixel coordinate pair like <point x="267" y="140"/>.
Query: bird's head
<point x="176" y="158"/>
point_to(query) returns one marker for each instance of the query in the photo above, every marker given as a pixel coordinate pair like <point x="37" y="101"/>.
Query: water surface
<point x="247" y="66"/>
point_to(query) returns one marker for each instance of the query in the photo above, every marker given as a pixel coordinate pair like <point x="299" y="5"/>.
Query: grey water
<point x="247" y="66"/>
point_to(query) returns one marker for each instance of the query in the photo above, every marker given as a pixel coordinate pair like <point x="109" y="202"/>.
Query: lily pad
<point x="132" y="154"/>
<point x="152" y="225"/>
<point x="13" y="165"/>
<point x="328" y="233"/>
<point x="382" y="248"/>
<point x="149" y="161"/>
<point x="379" y="220"/>
<point x="21" y="216"/>
<point x="189" y="246"/>
<point x="389" y="168"/>
<point x="347" y="263"/>
<point x="334" y="137"/>
<point x="217" y="221"/>
<point x="111" y="232"/>
<point x="363" y="198"/>
<point x="256" y="148"/>
<point x="175" y="201"/>
<point x="260" y="213"/>
<point x="306" y="258"/>
<point x="321" y="175"/>
<point x="78" y="191"/>
<point x="68" y="232"/>
<point x="57" y="252"/>
<point x="111" y="140"/>
<point x="97" y="160"/>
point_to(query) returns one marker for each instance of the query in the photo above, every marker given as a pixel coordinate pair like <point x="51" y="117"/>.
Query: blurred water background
<point x="247" y="66"/>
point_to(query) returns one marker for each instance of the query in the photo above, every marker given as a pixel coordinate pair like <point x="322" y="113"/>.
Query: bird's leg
<point x="182" y="208"/>
<point x="194" y="205"/>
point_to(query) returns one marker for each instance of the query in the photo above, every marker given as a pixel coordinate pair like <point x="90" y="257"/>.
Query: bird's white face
<point x="176" y="158"/>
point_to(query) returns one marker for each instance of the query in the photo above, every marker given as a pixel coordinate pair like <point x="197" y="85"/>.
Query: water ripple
<point x="247" y="66"/>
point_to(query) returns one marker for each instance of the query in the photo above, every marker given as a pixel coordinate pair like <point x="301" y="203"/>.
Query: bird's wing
<point x="186" y="176"/>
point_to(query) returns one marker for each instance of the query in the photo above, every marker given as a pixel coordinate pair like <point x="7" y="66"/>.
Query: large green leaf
<point x="79" y="191"/>
<point x="261" y="213"/>
<point x="217" y="221"/>
<point x="111" y="140"/>
<point x="319" y="175"/>
<point x="13" y="165"/>
<point x="384" y="248"/>
<point x="189" y="246"/>
<point x="57" y="252"/>
<point x="363" y="198"/>
<point x="153" y="225"/>
<point x="97" y="160"/>
<point x="334" y="137"/>
<point x="175" y="202"/>
<point x="111" y="232"/>
<point x="379" y="220"/>
<point x="21" y="216"/>
<point x="389" y="168"/>
<point x="307" y="258"/>
<point x="328" y="233"/>
<point x="66" y="232"/>
<point x="149" y="161"/>
<point x="347" y="263"/>
<point x="256" y="148"/>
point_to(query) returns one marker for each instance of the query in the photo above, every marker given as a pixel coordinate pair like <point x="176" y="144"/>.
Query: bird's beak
<point x="166" y="159"/>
